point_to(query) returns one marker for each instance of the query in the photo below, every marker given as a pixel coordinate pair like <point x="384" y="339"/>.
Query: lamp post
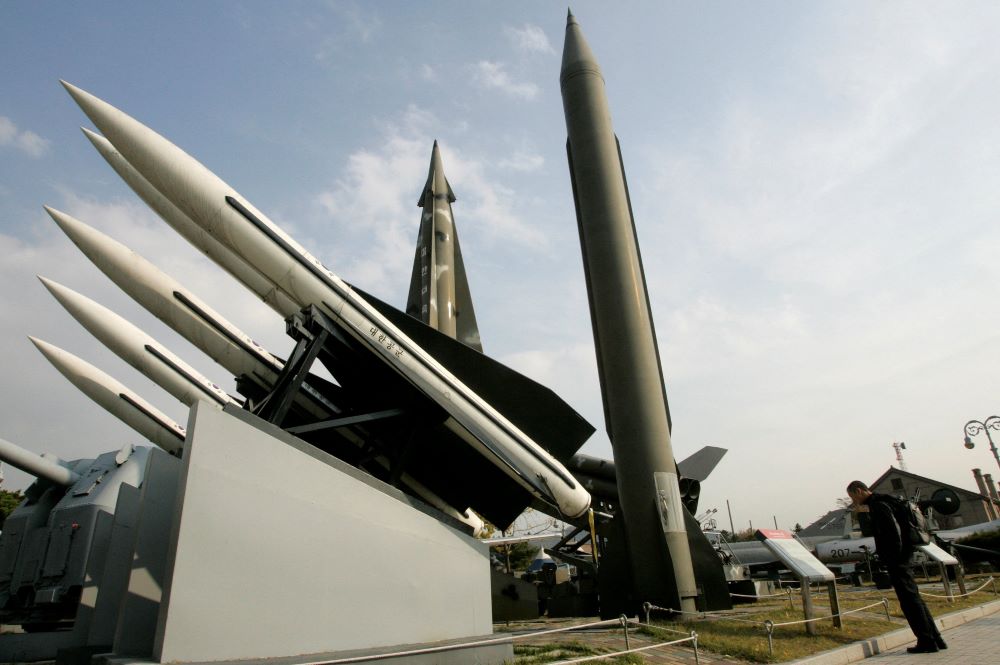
<point x="974" y="427"/>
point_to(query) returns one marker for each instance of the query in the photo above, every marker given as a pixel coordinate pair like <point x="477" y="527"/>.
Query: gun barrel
<point x="36" y="465"/>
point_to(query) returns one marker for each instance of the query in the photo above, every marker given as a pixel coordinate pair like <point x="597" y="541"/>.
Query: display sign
<point x="794" y="555"/>
<point x="935" y="553"/>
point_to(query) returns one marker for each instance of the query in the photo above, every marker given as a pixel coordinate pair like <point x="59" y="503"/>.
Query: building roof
<point x="830" y="524"/>
<point x="958" y="490"/>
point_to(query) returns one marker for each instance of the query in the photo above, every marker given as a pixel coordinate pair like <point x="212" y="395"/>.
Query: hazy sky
<point x="815" y="188"/>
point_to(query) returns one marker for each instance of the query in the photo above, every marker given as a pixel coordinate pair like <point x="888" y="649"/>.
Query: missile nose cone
<point x="437" y="185"/>
<point x="60" y="218"/>
<point x="52" y="353"/>
<point x="87" y="102"/>
<point x="577" y="57"/>
<point x="47" y="283"/>
<point x="96" y="139"/>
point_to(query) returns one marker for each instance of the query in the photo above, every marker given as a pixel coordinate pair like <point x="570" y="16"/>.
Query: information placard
<point x="794" y="555"/>
<point x="935" y="553"/>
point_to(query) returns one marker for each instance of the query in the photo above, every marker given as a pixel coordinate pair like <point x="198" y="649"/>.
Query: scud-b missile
<point x="439" y="288"/>
<point x="455" y="415"/>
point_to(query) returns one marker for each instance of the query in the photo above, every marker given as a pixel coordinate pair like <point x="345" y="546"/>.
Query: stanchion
<point x="624" y="620"/>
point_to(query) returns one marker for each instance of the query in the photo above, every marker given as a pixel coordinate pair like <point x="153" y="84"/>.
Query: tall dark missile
<point x="635" y="403"/>
<point x="439" y="289"/>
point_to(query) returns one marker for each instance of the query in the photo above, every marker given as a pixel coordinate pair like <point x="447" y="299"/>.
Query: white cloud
<point x="26" y="141"/>
<point x="529" y="39"/>
<point x="493" y="76"/>
<point x="525" y="162"/>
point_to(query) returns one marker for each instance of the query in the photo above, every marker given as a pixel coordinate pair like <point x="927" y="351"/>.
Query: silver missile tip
<point x="94" y="137"/>
<point x="47" y="350"/>
<point x="60" y="218"/>
<point x="46" y="282"/>
<point x="577" y="58"/>
<point x="437" y="184"/>
<point x="70" y="88"/>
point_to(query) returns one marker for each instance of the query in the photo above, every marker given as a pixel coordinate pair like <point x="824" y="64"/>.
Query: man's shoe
<point x="922" y="648"/>
<point x="940" y="644"/>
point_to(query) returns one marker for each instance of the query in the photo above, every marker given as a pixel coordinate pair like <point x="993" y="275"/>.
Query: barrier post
<point x="694" y="642"/>
<point x="807" y="605"/>
<point x="647" y="608"/>
<point x="838" y="621"/>
<point x="769" y="627"/>
<point x="624" y="620"/>
<point x="946" y="582"/>
<point x="885" y="605"/>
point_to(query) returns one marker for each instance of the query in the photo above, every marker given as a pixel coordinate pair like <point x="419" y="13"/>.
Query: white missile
<point x="173" y="304"/>
<point x="208" y="330"/>
<point x="139" y="349"/>
<point x="219" y="253"/>
<point x="230" y="219"/>
<point x="118" y="400"/>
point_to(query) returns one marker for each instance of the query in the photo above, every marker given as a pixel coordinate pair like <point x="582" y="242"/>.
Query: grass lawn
<point x="740" y="633"/>
<point x="749" y="640"/>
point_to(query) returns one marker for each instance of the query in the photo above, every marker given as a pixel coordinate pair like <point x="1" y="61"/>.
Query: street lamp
<point x="974" y="427"/>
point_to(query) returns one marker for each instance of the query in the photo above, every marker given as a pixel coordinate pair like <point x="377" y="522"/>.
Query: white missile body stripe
<point x="139" y="349"/>
<point x="118" y="400"/>
<point x="198" y="237"/>
<point x="212" y="204"/>
<point x="196" y="321"/>
<point x="170" y="302"/>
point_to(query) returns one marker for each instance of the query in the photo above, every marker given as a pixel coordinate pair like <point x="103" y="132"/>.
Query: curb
<point x="876" y="645"/>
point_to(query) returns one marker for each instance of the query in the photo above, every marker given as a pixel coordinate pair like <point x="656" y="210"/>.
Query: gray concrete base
<point x="876" y="645"/>
<point x="448" y="652"/>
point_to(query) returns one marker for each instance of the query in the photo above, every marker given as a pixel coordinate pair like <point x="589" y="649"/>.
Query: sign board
<point x="935" y="553"/>
<point x="794" y="555"/>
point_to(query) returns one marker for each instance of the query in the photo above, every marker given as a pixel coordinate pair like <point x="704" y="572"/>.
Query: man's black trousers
<point x="913" y="606"/>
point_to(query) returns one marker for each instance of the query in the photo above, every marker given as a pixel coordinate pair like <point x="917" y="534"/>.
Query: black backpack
<point x="912" y="523"/>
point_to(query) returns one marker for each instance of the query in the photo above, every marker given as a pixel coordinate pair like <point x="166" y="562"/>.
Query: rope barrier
<point x="884" y="602"/>
<point x="462" y="645"/>
<point x="693" y="638"/>
<point x="648" y="607"/>
<point x="770" y="625"/>
<point x="962" y="595"/>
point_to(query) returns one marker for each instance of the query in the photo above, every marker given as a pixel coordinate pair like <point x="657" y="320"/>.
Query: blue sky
<point x="814" y="184"/>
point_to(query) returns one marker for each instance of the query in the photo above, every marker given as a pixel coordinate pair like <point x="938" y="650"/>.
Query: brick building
<point x="973" y="507"/>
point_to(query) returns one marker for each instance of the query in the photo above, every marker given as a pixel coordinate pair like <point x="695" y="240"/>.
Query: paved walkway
<point x="975" y="643"/>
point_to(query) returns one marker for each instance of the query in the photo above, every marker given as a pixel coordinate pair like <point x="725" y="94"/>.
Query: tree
<point x="797" y="528"/>
<point x="520" y="554"/>
<point x="8" y="502"/>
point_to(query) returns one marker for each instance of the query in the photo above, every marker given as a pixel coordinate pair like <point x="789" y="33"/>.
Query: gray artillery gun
<point x="59" y="533"/>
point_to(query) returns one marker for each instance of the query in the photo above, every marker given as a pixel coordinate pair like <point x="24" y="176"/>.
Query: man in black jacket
<point x="895" y="551"/>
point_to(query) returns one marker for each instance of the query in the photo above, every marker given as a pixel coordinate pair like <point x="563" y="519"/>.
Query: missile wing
<point x="447" y="417"/>
<point x="118" y="400"/>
